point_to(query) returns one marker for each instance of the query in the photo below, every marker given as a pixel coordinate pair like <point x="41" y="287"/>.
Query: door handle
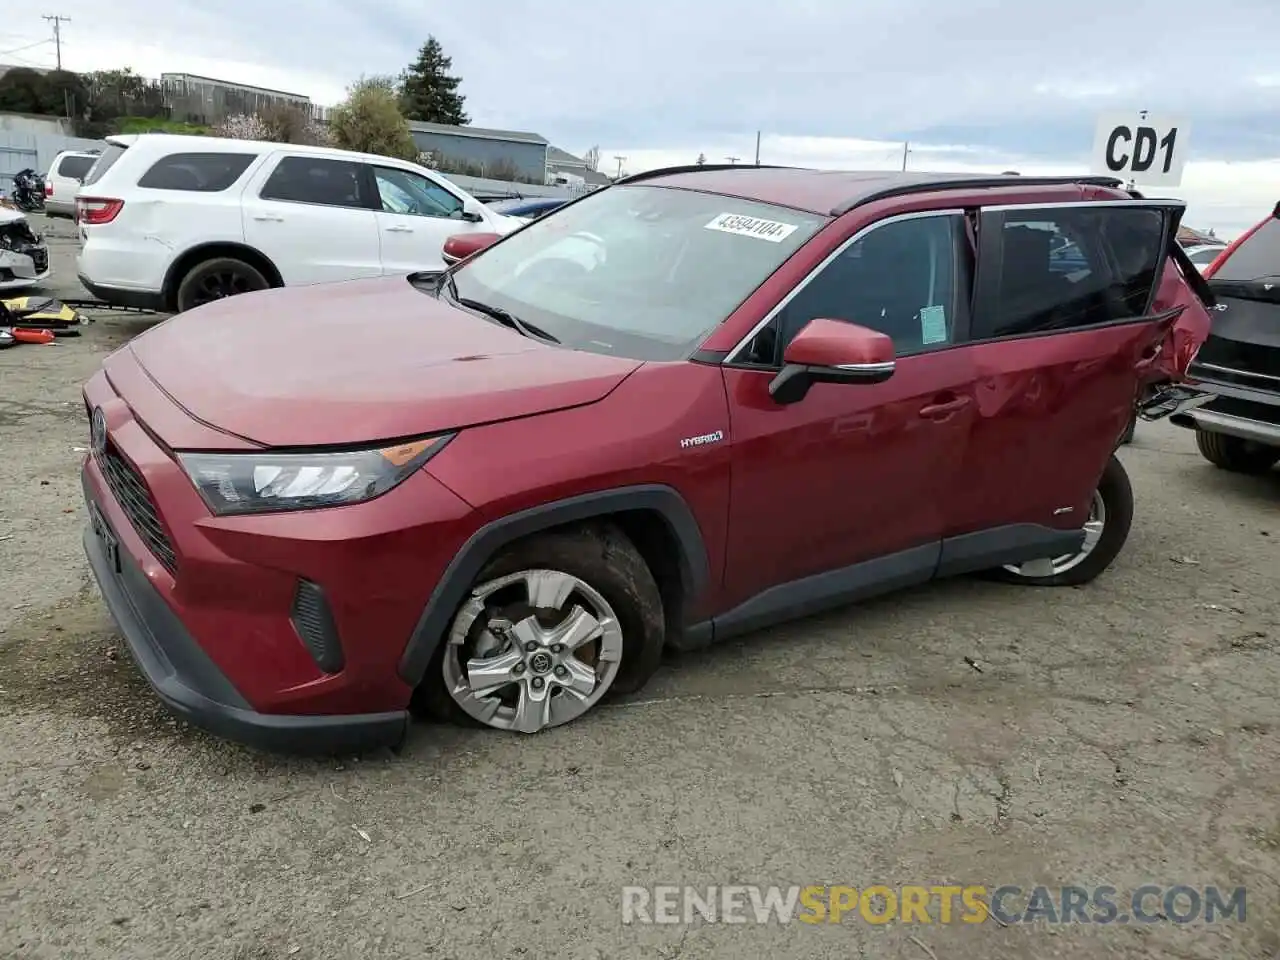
<point x="268" y="218"/>
<point x="399" y="229"/>
<point x="944" y="408"/>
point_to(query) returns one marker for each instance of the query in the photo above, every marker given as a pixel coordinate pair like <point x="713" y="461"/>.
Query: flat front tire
<point x="551" y="627"/>
<point x="1106" y="530"/>
<point x="1235" y="454"/>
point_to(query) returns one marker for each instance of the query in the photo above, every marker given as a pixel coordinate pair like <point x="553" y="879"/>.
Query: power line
<point x="38" y="43"/>
<point x="57" y="20"/>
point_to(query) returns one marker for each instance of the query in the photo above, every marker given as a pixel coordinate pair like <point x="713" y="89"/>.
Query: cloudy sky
<point x="982" y="85"/>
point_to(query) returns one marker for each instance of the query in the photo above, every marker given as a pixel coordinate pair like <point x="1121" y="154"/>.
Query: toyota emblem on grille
<point x="98" y="432"/>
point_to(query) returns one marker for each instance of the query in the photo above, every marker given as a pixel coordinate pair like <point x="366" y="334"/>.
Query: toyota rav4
<point x="695" y="403"/>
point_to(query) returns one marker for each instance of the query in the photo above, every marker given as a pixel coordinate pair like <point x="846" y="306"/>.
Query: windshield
<point x="637" y="271"/>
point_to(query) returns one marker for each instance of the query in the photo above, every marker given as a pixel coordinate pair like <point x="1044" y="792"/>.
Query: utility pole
<point x="620" y="160"/>
<point x="757" y="148"/>
<point x="733" y="160"/>
<point x="906" y="148"/>
<point x="57" y="20"/>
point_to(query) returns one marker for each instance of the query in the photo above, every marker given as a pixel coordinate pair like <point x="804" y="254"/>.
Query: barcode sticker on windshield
<point x="771" y="230"/>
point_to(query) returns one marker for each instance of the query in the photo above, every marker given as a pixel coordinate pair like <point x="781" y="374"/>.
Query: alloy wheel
<point x="1046" y="567"/>
<point x="532" y="650"/>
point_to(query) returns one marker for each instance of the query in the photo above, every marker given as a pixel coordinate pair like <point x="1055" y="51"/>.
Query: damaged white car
<point x="24" y="256"/>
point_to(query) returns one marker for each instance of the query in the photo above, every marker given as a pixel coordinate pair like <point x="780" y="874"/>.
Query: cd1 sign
<point x="1148" y="150"/>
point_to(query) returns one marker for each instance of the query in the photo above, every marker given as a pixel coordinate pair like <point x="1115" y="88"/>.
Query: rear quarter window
<point x="196" y="172"/>
<point x="105" y="162"/>
<point x="1257" y="257"/>
<point x="74" y="167"/>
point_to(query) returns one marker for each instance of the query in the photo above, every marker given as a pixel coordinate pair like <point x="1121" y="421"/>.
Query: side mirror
<point x="831" y="351"/>
<point x="472" y="211"/>
<point x="462" y="245"/>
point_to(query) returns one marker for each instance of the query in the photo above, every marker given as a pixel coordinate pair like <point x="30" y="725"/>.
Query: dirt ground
<point x="967" y="732"/>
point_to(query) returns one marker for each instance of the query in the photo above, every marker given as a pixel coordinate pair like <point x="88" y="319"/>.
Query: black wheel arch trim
<point x="173" y="278"/>
<point x="493" y="536"/>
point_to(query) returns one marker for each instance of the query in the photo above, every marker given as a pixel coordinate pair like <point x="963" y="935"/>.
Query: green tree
<point x="428" y="91"/>
<point x="370" y="121"/>
<point x="25" y="91"/>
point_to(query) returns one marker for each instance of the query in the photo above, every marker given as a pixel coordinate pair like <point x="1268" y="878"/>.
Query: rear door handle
<point x="937" y="411"/>
<point x="268" y="218"/>
<point x="399" y="229"/>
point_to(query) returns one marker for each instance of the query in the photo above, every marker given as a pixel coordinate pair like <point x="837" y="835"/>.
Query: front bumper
<point x="1236" y="410"/>
<point x="213" y="607"/>
<point x="25" y="268"/>
<point x="193" y="687"/>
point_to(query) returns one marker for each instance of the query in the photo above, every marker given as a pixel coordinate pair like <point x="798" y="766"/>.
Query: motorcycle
<point x="28" y="191"/>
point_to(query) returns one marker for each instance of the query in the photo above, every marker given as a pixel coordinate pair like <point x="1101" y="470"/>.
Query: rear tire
<point x="1235" y="454"/>
<point x="613" y="579"/>
<point x="1115" y="496"/>
<point x="217" y="279"/>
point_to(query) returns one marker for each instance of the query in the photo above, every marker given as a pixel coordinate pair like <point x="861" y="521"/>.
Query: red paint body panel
<point x="631" y="437"/>
<point x="377" y="562"/>
<point x="359" y="362"/>
<point x="849" y="473"/>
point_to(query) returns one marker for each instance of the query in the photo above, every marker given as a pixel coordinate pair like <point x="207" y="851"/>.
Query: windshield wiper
<point x="502" y="316"/>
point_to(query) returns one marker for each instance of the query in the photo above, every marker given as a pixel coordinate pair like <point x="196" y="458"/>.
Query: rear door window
<point x="105" y="162"/>
<point x="1257" y="257"/>
<point x="1050" y="269"/>
<point x="74" y="167"/>
<point x="333" y="183"/>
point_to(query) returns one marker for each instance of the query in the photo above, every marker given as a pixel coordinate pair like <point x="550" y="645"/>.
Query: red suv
<point x="692" y="404"/>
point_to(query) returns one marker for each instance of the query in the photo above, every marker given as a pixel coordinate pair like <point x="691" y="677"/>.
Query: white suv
<point x="63" y="180"/>
<point x="170" y="222"/>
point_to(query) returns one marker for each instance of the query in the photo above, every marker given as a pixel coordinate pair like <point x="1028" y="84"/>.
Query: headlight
<point x="232" y="483"/>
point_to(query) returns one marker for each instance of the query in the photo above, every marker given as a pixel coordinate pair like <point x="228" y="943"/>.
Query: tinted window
<point x="74" y="167"/>
<point x="196" y="172"/>
<point x="1257" y="257"/>
<point x="1043" y="270"/>
<point x="413" y="194"/>
<point x="336" y="183"/>
<point x="639" y="271"/>
<point x="902" y="279"/>
<point x="110" y="155"/>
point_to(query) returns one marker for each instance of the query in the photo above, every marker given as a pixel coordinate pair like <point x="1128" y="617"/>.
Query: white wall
<point x="34" y="142"/>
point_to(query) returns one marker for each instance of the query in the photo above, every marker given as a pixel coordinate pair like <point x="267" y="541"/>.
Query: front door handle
<point x="268" y="218"/>
<point x="944" y="408"/>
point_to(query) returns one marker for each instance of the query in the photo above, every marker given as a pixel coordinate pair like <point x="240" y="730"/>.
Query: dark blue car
<point x="528" y="207"/>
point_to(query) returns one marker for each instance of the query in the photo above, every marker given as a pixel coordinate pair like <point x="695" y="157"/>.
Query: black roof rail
<point x="695" y="167"/>
<point x="908" y="187"/>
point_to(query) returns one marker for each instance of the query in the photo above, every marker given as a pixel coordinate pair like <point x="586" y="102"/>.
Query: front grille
<point x="130" y="491"/>
<point x="40" y="257"/>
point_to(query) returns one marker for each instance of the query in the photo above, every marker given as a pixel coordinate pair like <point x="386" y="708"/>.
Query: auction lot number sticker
<point x="772" y="230"/>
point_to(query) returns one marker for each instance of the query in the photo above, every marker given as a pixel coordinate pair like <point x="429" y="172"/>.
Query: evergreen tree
<point x="428" y="92"/>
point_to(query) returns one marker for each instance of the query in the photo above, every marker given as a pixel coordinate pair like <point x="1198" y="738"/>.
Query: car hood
<point x="357" y="362"/>
<point x="9" y="215"/>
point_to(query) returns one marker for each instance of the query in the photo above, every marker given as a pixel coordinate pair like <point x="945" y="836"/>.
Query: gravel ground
<point x="1123" y="733"/>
